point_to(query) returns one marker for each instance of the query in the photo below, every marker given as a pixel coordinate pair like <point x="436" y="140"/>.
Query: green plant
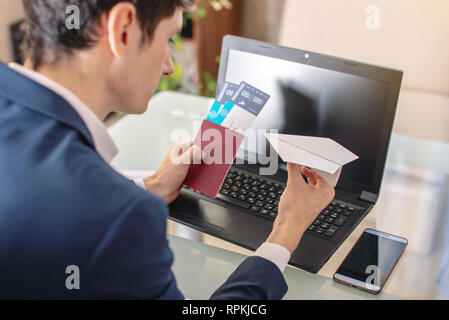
<point x="175" y="81"/>
<point x="209" y="86"/>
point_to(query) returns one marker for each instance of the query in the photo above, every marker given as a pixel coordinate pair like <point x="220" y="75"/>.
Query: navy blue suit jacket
<point x="62" y="205"/>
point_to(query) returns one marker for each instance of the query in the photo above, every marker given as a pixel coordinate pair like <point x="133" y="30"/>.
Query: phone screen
<point x="371" y="260"/>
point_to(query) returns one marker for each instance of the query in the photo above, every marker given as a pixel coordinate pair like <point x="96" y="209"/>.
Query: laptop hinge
<point x="368" y="197"/>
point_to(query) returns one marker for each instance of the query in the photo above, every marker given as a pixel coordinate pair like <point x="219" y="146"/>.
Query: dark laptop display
<point x="317" y="95"/>
<point x="312" y="94"/>
<point x="312" y="101"/>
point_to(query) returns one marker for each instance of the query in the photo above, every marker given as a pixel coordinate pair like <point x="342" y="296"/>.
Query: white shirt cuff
<point x="140" y="183"/>
<point x="137" y="176"/>
<point x="275" y="253"/>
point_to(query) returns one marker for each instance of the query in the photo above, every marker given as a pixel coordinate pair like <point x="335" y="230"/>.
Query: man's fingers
<point x="322" y="183"/>
<point x="294" y="175"/>
<point x="183" y="147"/>
<point x="192" y="156"/>
<point x="310" y="175"/>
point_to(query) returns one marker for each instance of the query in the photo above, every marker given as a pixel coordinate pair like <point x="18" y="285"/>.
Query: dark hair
<point x="47" y="35"/>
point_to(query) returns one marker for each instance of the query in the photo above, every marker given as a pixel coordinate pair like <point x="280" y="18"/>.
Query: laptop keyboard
<point x="261" y="196"/>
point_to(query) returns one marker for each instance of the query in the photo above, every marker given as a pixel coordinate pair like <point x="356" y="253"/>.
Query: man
<point x="62" y="206"/>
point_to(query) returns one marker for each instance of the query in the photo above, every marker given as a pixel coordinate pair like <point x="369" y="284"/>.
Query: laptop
<point x="312" y="94"/>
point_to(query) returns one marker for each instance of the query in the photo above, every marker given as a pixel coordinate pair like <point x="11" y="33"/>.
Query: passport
<point x="222" y="145"/>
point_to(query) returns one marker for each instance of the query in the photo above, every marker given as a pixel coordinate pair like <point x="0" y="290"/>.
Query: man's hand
<point x="166" y="183"/>
<point x="299" y="206"/>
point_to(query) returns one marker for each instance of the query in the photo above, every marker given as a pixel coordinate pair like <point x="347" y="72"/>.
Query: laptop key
<point x="242" y="197"/>
<point x="264" y="212"/>
<point x="330" y="220"/>
<point x="347" y="213"/>
<point x="339" y="222"/>
<point x="255" y="208"/>
<point x="325" y="225"/>
<point x="251" y="200"/>
<point x="331" y="231"/>
<point x="334" y="215"/>
<point x="236" y="202"/>
<point x="319" y="230"/>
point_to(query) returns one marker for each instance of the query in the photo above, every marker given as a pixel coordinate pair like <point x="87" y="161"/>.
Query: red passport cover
<point x="221" y="145"/>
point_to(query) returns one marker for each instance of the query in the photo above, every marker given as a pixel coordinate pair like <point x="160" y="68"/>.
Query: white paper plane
<point x="324" y="155"/>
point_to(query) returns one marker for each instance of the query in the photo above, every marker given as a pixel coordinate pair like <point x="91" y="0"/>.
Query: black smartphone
<point x="371" y="261"/>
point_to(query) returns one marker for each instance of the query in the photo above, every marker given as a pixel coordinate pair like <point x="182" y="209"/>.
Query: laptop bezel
<point x="348" y="66"/>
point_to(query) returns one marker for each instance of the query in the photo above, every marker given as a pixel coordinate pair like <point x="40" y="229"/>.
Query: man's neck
<point x="82" y="82"/>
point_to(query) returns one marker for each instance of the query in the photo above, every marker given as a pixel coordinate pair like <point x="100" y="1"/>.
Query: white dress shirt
<point x="107" y="149"/>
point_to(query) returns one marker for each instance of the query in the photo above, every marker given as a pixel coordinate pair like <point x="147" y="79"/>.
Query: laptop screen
<point x="315" y="101"/>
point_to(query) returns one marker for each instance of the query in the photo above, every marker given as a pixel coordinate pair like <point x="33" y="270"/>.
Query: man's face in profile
<point x="138" y="76"/>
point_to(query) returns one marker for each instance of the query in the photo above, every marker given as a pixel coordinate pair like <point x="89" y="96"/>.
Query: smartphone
<point x="371" y="261"/>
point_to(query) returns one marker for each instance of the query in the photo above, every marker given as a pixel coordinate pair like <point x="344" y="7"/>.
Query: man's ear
<point x="119" y="27"/>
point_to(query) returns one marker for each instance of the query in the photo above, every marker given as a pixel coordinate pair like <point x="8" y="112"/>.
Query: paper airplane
<point x="324" y="155"/>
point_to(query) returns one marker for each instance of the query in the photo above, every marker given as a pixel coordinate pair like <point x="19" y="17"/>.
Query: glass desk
<point x="413" y="203"/>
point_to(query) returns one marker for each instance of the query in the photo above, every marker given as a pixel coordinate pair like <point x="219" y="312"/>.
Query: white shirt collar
<point x="103" y="142"/>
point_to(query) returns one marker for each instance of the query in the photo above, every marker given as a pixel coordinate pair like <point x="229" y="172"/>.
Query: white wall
<point x="10" y="11"/>
<point x="413" y="35"/>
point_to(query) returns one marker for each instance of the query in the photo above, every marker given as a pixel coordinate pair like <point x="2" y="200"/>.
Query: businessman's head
<point x="123" y="45"/>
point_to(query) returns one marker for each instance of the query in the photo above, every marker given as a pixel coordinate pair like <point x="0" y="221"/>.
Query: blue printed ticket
<point x="249" y="102"/>
<point x="227" y="92"/>
<point x="220" y="109"/>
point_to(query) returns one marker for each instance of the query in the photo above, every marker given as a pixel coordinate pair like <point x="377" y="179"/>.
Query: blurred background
<point x="411" y="35"/>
